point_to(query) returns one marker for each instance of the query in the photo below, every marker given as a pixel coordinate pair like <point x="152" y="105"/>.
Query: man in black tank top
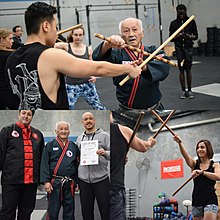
<point x="35" y="70"/>
<point x="119" y="138"/>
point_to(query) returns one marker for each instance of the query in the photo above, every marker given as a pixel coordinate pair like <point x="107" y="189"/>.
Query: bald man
<point x="94" y="179"/>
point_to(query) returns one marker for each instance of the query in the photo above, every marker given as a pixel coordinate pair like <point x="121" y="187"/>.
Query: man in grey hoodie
<point x="94" y="179"/>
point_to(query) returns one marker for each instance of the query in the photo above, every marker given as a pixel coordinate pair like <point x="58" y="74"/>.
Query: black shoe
<point x="191" y="96"/>
<point x="184" y="95"/>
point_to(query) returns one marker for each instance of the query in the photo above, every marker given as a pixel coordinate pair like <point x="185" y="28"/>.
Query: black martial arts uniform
<point x="59" y="166"/>
<point x="20" y="155"/>
<point x="142" y="92"/>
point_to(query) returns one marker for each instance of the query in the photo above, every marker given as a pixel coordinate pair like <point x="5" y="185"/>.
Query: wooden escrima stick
<point x="136" y="127"/>
<point x="69" y="29"/>
<point x="160" y="47"/>
<point x="161" y="120"/>
<point x="164" y="123"/>
<point x="100" y="36"/>
<point x="188" y="180"/>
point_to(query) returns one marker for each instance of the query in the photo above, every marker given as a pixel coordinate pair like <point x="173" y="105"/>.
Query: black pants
<point x="88" y="193"/>
<point x="117" y="204"/>
<point x="55" y="201"/>
<point x="21" y="196"/>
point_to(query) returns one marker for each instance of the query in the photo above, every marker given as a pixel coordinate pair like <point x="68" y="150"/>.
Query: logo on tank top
<point x="26" y="87"/>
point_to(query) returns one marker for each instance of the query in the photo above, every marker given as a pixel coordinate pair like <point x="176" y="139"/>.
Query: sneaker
<point x="191" y="96"/>
<point x="184" y="95"/>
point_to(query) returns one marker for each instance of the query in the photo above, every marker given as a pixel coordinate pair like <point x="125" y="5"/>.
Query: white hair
<point x="140" y="24"/>
<point x="61" y="122"/>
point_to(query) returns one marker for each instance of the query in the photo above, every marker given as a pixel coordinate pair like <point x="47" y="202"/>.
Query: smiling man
<point x="59" y="173"/>
<point x="94" y="179"/>
<point x="20" y="154"/>
<point x="142" y="92"/>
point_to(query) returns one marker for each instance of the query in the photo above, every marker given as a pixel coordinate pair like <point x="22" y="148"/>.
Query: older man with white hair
<point x="59" y="172"/>
<point x="142" y="92"/>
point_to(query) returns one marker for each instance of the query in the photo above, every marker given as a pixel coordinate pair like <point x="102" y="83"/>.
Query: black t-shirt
<point x="191" y="28"/>
<point x="24" y="80"/>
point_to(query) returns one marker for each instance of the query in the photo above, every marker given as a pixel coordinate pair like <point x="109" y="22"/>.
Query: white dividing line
<point x="211" y="89"/>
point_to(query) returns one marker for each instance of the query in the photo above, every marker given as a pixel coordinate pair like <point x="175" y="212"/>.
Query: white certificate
<point x="88" y="155"/>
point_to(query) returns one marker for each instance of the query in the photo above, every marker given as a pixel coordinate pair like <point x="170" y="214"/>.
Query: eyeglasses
<point x="19" y="30"/>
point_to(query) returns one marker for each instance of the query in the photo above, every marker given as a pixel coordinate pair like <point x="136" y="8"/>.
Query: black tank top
<point x="118" y="149"/>
<point x="204" y="188"/>
<point x="25" y="83"/>
<point x="73" y="80"/>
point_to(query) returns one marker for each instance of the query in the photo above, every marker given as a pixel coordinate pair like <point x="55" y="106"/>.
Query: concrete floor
<point x="41" y="206"/>
<point x="206" y="73"/>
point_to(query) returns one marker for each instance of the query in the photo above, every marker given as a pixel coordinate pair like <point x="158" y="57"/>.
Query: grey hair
<point x="60" y="122"/>
<point x="140" y="24"/>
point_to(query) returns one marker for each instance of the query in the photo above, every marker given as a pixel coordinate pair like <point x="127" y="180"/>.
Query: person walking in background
<point x="184" y="48"/>
<point x="21" y="147"/>
<point x="58" y="173"/>
<point x="205" y="173"/>
<point x="80" y="87"/>
<point x="5" y="50"/>
<point x="119" y="138"/>
<point x="17" y="34"/>
<point x="142" y="92"/>
<point x="94" y="179"/>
